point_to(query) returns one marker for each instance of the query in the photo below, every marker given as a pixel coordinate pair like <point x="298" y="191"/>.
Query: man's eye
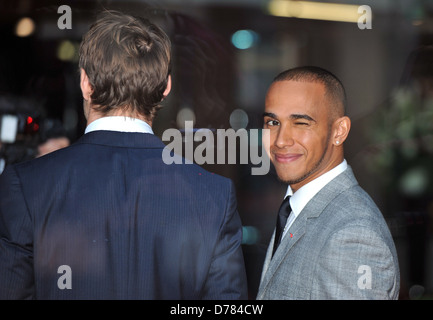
<point x="271" y="123"/>
<point x="300" y="123"/>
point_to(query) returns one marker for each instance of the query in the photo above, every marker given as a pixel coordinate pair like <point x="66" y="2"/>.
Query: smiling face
<point x="306" y="134"/>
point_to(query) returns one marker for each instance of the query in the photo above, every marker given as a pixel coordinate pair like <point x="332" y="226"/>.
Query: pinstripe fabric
<point x="127" y="225"/>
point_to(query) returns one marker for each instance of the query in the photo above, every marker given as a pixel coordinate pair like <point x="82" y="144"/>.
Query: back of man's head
<point x="127" y="60"/>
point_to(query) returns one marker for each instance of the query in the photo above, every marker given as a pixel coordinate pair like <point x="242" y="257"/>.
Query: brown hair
<point x="127" y="61"/>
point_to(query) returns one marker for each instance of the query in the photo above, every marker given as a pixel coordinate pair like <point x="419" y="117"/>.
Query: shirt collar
<point x="300" y="198"/>
<point x="119" y="123"/>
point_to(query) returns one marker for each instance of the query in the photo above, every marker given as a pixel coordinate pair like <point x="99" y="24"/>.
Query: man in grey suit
<point x="335" y="243"/>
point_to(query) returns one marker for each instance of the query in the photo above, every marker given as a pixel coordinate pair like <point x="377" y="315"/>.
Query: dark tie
<point x="283" y="214"/>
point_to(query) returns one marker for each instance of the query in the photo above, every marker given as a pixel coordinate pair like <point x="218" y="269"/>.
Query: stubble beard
<point x="309" y="173"/>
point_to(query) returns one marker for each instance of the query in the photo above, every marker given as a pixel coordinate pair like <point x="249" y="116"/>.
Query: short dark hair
<point x="128" y="61"/>
<point x="334" y="87"/>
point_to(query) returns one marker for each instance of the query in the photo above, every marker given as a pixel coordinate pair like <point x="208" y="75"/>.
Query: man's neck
<point x="94" y="115"/>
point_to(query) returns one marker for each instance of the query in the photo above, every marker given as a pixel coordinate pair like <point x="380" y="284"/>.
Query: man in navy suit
<point x="106" y="218"/>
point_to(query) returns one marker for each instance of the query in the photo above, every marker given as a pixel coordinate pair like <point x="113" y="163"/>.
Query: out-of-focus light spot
<point x="250" y="235"/>
<point x="238" y="119"/>
<point x="8" y="128"/>
<point x="29" y="120"/>
<point x="314" y="10"/>
<point x="66" y="51"/>
<point x="415" y="181"/>
<point x="244" y="39"/>
<point x="416" y="292"/>
<point x="24" y="27"/>
<point x="184" y="114"/>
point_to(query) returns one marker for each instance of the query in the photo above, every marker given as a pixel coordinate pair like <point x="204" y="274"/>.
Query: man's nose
<point x="284" y="137"/>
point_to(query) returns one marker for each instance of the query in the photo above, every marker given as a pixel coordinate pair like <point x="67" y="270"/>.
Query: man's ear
<point x="168" y="89"/>
<point x="85" y="85"/>
<point x="341" y="130"/>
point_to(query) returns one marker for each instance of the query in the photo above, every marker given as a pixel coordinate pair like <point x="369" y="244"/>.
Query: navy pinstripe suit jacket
<point x="106" y="218"/>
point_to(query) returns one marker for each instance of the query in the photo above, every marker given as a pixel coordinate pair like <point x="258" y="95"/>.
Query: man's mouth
<point x="286" y="157"/>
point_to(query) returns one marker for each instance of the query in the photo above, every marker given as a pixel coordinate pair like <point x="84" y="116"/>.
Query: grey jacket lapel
<point x="312" y="210"/>
<point x="295" y="233"/>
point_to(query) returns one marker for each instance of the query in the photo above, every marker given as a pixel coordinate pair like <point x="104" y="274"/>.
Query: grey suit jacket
<point x="339" y="247"/>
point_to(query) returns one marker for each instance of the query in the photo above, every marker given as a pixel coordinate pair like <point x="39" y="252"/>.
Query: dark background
<point x="387" y="71"/>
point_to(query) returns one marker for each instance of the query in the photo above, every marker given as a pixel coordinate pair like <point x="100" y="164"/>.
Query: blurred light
<point x="8" y="128"/>
<point x="238" y="119"/>
<point x="184" y="114"/>
<point x="244" y="39"/>
<point x="66" y="51"/>
<point x="250" y="235"/>
<point x="31" y="125"/>
<point x="24" y="27"/>
<point x="416" y="292"/>
<point x="414" y="182"/>
<point x="314" y="10"/>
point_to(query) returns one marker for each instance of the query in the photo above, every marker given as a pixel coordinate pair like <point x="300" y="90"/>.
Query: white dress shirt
<point x="300" y="198"/>
<point x="119" y="123"/>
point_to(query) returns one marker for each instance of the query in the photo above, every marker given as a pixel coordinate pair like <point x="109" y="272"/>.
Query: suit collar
<point x="296" y="232"/>
<point x="119" y="123"/>
<point x="339" y="184"/>
<point x="307" y="192"/>
<point x="122" y="139"/>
